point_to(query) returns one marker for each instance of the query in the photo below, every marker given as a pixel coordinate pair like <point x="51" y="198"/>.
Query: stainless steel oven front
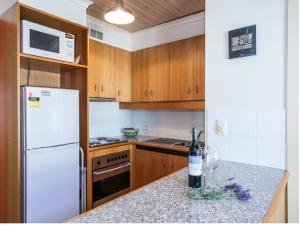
<point x="111" y="177"/>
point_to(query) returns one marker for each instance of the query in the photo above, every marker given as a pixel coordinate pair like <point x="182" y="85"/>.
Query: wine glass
<point x="211" y="161"/>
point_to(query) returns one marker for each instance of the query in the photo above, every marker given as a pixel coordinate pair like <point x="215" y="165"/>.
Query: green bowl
<point x="130" y="132"/>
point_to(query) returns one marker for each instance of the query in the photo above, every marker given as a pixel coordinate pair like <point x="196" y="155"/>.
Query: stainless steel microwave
<point x="43" y="41"/>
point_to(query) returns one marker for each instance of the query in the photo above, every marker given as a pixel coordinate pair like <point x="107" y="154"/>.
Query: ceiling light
<point x="118" y="14"/>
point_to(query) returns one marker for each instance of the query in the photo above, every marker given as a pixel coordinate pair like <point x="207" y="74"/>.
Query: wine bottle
<point x="195" y="162"/>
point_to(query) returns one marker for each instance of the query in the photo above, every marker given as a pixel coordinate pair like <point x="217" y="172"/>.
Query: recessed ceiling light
<point x="119" y="14"/>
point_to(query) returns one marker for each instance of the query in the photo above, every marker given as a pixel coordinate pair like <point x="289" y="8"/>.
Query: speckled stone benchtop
<point x="166" y="201"/>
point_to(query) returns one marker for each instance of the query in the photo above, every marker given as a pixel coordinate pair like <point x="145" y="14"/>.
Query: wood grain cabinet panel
<point x="123" y="75"/>
<point x="177" y="163"/>
<point x="165" y="73"/>
<point x="182" y="70"/>
<point x="102" y="70"/>
<point x="140" y="76"/>
<point x="151" y="74"/>
<point x="152" y="165"/>
<point x="159" y="73"/>
<point x="94" y="68"/>
<point x="107" y="62"/>
<point x="199" y="68"/>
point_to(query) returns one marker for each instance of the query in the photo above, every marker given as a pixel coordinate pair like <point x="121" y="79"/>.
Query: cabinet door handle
<point x="171" y="165"/>
<point x="197" y="89"/>
<point x="119" y="93"/>
<point x="102" y="88"/>
<point x="189" y="90"/>
<point x="95" y="87"/>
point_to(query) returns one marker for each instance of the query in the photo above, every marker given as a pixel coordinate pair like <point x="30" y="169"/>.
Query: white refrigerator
<point x="53" y="173"/>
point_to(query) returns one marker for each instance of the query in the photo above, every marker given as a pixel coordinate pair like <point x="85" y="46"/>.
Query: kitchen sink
<point x="183" y="144"/>
<point x="170" y="141"/>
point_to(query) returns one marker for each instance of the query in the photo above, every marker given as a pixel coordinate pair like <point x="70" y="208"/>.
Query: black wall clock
<point x="242" y="42"/>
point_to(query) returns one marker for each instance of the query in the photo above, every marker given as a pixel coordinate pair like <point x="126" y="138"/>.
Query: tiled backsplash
<point x="106" y="119"/>
<point x="164" y="123"/>
<point x="253" y="136"/>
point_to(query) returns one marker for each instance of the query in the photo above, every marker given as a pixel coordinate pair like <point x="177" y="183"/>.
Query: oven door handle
<point x="104" y="174"/>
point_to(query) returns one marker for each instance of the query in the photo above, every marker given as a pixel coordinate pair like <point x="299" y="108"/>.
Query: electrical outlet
<point x="221" y="127"/>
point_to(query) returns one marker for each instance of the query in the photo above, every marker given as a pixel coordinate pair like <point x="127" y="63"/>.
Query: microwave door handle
<point x="110" y="170"/>
<point x="82" y="182"/>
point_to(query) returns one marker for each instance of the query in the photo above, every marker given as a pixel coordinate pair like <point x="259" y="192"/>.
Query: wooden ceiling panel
<point x="149" y="13"/>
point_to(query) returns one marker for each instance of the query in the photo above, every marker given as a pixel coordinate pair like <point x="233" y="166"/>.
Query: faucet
<point x="200" y="133"/>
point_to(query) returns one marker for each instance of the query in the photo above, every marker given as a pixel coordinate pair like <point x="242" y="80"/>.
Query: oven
<point x="111" y="177"/>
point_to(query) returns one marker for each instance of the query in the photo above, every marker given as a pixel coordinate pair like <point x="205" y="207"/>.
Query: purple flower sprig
<point x="243" y="195"/>
<point x="240" y="193"/>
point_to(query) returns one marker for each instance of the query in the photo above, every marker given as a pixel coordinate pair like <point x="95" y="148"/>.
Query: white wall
<point x="112" y="35"/>
<point x="106" y="119"/>
<point x="293" y="110"/>
<point x="247" y="92"/>
<point x="179" y="29"/>
<point x="73" y="10"/>
<point x="5" y="5"/>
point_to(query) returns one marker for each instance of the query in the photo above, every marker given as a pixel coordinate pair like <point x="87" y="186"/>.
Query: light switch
<point x="221" y="127"/>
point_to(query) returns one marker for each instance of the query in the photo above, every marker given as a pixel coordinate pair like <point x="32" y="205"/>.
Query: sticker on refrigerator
<point x="45" y="93"/>
<point x="34" y="102"/>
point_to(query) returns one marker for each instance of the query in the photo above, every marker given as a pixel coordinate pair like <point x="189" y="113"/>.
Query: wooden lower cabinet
<point x="152" y="165"/>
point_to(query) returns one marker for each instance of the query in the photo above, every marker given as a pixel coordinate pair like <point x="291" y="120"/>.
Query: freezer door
<point x="52" y="184"/>
<point x="51" y="116"/>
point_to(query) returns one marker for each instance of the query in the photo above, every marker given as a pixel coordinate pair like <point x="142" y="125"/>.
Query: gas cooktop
<point x="99" y="141"/>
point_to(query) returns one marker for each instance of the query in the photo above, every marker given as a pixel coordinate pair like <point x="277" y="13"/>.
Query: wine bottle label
<point x="195" y="165"/>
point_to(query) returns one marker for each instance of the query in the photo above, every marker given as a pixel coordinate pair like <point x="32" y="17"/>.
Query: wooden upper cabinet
<point x="199" y="73"/>
<point x="107" y="71"/>
<point x="123" y="75"/>
<point x="151" y="74"/>
<point x="102" y="70"/>
<point x="159" y="73"/>
<point x="140" y="76"/>
<point x="94" y="68"/>
<point x="164" y="73"/>
<point x="182" y="70"/>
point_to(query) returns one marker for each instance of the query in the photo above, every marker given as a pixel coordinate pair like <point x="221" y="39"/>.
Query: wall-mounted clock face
<point x="242" y="42"/>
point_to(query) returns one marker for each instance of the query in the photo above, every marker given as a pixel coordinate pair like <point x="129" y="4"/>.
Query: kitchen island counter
<point x="166" y="200"/>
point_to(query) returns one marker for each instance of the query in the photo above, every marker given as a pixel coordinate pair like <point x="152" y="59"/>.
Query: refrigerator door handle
<point x="82" y="182"/>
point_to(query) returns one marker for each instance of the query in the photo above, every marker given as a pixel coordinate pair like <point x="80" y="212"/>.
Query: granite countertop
<point x="166" y="200"/>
